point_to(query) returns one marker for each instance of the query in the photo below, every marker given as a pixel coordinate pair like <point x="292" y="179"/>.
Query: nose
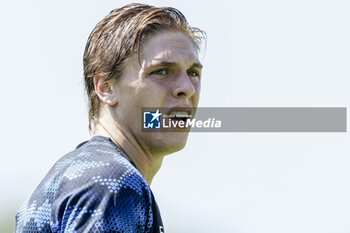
<point x="184" y="87"/>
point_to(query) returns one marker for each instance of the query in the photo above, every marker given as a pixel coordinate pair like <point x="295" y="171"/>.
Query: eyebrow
<point x="174" y="64"/>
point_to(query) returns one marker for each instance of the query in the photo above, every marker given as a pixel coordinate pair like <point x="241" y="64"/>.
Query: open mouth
<point x="179" y="118"/>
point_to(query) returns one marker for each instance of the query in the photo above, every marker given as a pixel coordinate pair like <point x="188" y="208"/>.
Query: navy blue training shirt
<point x="95" y="188"/>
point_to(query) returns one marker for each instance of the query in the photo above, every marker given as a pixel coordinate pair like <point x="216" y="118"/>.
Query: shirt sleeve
<point x="105" y="205"/>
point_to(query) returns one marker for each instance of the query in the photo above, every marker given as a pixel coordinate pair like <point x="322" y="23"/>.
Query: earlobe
<point x="105" y="90"/>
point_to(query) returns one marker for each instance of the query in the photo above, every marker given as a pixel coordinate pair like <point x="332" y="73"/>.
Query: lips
<point x="177" y="114"/>
<point x="180" y="112"/>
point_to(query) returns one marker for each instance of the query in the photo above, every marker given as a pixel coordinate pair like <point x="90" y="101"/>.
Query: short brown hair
<point x="119" y="35"/>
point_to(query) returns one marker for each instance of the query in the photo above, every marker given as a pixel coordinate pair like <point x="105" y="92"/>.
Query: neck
<point x="147" y="163"/>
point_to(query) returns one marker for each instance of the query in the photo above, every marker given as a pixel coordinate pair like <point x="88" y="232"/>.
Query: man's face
<point x="169" y="77"/>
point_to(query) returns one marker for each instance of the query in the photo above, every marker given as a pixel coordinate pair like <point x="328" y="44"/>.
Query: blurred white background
<point x="270" y="53"/>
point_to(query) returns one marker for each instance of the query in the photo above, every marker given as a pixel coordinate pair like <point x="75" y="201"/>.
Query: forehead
<point x="169" y="46"/>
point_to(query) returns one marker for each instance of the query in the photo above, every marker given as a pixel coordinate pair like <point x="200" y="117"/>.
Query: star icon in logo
<point x="156" y="115"/>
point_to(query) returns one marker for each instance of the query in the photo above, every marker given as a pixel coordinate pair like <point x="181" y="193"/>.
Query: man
<point x="137" y="56"/>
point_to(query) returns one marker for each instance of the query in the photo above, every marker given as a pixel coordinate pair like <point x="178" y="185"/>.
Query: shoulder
<point x="96" y="165"/>
<point x="99" y="162"/>
<point x="102" y="188"/>
<point x="93" y="186"/>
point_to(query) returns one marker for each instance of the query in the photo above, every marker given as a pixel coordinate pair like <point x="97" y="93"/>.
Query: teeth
<point x="179" y="114"/>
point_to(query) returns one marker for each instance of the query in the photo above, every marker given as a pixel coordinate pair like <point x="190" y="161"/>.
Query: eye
<point x="159" y="72"/>
<point x="193" y="73"/>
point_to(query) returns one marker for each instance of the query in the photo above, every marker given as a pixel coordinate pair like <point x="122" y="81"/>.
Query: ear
<point x="105" y="91"/>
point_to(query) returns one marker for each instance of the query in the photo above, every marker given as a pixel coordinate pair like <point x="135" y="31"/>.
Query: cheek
<point x="153" y="92"/>
<point x="159" y="87"/>
<point x="198" y="89"/>
<point x="197" y="86"/>
<point x="195" y="97"/>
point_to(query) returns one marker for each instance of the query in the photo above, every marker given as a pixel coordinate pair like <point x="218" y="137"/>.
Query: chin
<point x="167" y="143"/>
